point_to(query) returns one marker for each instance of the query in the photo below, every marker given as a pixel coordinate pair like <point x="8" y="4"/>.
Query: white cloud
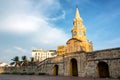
<point x="31" y="17"/>
<point x="36" y="22"/>
<point x="20" y="23"/>
<point x="57" y="18"/>
<point x="53" y="38"/>
<point x="26" y="16"/>
<point x="47" y="7"/>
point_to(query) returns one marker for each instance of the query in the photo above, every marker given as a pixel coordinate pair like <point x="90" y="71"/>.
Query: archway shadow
<point x="55" y="71"/>
<point x="73" y="67"/>
<point x="103" y="69"/>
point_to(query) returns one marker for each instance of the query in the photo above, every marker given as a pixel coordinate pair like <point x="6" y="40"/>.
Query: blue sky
<point x="34" y="24"/>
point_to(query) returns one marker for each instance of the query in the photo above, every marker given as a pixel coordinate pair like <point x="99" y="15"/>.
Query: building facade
<point x="40" y="54"/>
<point x="61" y="50"/>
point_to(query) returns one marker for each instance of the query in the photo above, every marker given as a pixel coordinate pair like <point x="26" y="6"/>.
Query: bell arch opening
<point x="103" y="69"/>
<point x="73" y="67"/>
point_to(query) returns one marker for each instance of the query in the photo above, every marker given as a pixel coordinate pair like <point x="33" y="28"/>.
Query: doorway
<point x="73" y="67"/>
<point x="103" y="69"/>
<point x="55" y="71"/>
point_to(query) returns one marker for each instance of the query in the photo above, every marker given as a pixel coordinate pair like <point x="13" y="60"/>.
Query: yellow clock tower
<point x="78" y="30"/>
<point x="79" y="41"/>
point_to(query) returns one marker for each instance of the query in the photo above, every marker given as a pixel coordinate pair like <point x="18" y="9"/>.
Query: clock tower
<point x="79" y="41"/>
<point x="78" y="30"/>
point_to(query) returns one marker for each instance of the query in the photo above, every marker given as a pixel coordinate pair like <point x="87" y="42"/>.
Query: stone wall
<point x="81" y="63"/>
<point x="109" y="56"/>
<point x="87" y="64"/>
<point x="27" y="69"/>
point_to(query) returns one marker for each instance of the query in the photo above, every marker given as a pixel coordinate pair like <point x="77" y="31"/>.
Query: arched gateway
<point x="55" y="70"/>
<point x="103" y="69"/>
<point x="73" y="67"/>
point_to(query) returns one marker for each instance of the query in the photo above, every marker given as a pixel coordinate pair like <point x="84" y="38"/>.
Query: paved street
<point x="37" y="77"/>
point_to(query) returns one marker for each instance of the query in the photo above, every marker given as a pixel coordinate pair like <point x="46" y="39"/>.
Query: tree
<point x="32" y="63"/>
<point x="25" y="62"/>
<point x="16" y="61"/>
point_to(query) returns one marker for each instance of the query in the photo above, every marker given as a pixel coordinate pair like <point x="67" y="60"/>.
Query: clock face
<point x="74" y="33"/>
<point x="80" y="32"/>
<point x="78" y="24"/>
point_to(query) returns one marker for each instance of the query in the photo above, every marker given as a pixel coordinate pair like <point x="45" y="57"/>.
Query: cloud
<point x="26" y="16"/>
<point x="32" y="19"/>
<point x="47" y="7"/>
<point x="54" y="38"/>
<point x="36" y="21"/>
<point x="19" y="24"/>
<point x="58" y="17"/>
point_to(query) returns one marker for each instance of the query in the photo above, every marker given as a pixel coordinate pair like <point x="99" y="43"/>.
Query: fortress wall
<point x="110" y="56"/>
<point x="87" y="64"/>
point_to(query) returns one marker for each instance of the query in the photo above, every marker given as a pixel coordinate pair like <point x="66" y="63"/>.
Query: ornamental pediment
<point x="73" y="40"/>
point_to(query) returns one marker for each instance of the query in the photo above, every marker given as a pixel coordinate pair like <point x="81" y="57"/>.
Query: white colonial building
<point x="2" y="64"/>
<point x="40" y="54"/>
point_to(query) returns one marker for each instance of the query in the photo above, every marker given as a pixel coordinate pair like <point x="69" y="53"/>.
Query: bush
<point x="15" y="73"/>
<point x="32" y="73"/>
<point x="6" y="73"/>
<point x="118" y="77"/>
<point x="41" y="73"/>
<point x="24" y="73"/>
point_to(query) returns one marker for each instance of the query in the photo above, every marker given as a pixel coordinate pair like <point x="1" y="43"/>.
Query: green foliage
<point x="12" y="63"/>
<point x="31" y="73"/>
<point x="119" y="77"/>
<point x="23" y="73"/>
<point x="32" y="63"/>
<point x="6" y="73"/>
<point x="15" y="73"/>
<point x="41" y="73"/>
<point x="32" y="59"/>
<point x="23" y="62"/>
<point x="16" y="58"/>
<point x="15" y="61"/>
<point x="24" y="58"/>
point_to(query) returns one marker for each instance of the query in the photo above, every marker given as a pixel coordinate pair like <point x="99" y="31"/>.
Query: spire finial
<point x="77" y="12"/>
<point x="76" y="6"/>
<point x="77" y="16"/>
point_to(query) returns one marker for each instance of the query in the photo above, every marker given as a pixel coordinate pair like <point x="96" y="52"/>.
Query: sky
<point x="34" y="24"/>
